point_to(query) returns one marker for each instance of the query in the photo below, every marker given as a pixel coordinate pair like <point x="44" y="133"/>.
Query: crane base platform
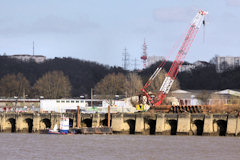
<point x="182" y="108"/>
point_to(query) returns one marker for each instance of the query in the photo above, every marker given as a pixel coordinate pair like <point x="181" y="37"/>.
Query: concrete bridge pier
<point x="160" y="122"/>
<point x="208" y="125"/>
<point x="183" y="124"/>
<point x="139" y="125"/>
<point x="36" y="123"/>
<point x="237" y="126"/>
<point x="3" y="123"/>
<point x="19" y="123"/>
<point x="117" y="123"/>
<point x="233" y="125"/>
<point x="96" y="120"/>
<point x="55" y="119"/>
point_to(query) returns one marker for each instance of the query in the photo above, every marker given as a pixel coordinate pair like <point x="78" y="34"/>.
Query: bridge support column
<point x="96" y="120"/>
<point x="237" y="133"/>
<point x="19" y="123"/>
<point x="232" y="125"/>
<point x="183" y="124"/>
<point x="208" y="125"/>
<point x="74" y="125"/>
<point x="55" y="119"/>
<point x="160" y="124"/>
<point x="139" y="125"/>
<point x="117" y="123"/>
<point x="36" y="123"/>
<point x="3" y="122"/>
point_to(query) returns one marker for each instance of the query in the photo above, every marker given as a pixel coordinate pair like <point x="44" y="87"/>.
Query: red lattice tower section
<point x="144" y="56"/>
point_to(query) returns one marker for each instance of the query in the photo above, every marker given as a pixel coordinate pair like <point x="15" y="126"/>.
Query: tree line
<point x="53" y="84"/>
<point x="73" y="77"/>
<point x="201" y="78"/>
<point x="207" y="78"/>
<point x="82" y="75"/>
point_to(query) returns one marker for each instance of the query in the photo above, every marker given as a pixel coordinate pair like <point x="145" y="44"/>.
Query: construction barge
<point x="93" y="130"/>
<point x="84" y="130"/>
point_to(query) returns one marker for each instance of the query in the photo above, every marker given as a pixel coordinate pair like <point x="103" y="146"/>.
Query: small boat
<point x="64" y="127"/>
<point x="54" y="130"/>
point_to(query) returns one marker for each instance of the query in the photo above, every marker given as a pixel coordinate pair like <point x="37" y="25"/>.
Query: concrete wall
<point x="179" y="124"/>
<point x="138" y="123"/>
<point x="30" y="122"/>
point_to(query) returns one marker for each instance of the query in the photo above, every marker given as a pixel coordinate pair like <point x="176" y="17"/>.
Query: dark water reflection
<point x="116" y="147"/>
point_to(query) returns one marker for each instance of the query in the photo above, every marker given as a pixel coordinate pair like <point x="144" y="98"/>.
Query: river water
<point x="117" y="147"/>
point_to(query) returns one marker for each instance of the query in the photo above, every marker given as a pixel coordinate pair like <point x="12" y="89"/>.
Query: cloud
<point x="62" y="25"/>
<point x="47" y="24"/>
<point x="235" y="3"/>
<point x="175" y="14"/>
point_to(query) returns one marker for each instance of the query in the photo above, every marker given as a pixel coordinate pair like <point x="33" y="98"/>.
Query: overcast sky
<point x="99" y="30"/>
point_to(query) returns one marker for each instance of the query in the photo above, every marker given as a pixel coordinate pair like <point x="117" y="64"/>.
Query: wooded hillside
<point x="84" y="75"/>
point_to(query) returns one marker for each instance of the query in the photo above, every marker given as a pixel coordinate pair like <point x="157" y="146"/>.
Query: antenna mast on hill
<point x="144" y="56"/>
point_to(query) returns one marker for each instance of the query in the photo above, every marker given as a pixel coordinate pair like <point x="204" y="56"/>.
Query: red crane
<point x="177" y="63"/>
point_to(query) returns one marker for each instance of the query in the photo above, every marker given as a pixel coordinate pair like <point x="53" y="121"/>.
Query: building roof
<point x="195" y="93"/>
<point x="28" y="55"/>
<point x="180" y="91"/>
<point x="229" y="92"/>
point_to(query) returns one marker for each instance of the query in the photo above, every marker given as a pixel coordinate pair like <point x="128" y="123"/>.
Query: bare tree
<point x="214" y="60"/>
<point x="53" y="85"/>
<point x="134" y="84"/>
<point x="204" y="97"/>
<point x="224" y="66"/>
<point x="233" y="99"/>
<point x="111" y="85"/>
<point x="14" y="85"/>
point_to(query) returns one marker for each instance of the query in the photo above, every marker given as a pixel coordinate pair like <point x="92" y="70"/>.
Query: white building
<point x="205" y="97"/>
<point x="100" y="106"/>
<point x="27" y="57"/>
<point x="186" y="68"/>
<point x="224" y="63"/>
<point x="189" y="67"/>
<point x="61" y="105"/>
<point x="153" y="59"/>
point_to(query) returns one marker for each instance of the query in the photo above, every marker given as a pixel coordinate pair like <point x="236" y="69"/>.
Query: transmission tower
<point x="125" y="59"/>
<point x="135" y="63"/>
<point x="33" y="49"/>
